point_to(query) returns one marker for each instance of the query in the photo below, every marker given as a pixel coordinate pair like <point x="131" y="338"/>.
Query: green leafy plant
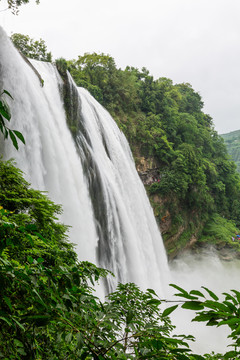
<point x="215" y="312"/>
<point x="5" y="114"/>
<point x="34" y="49"/>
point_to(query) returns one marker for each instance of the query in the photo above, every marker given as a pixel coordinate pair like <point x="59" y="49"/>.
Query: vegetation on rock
<point x="193" y="179"/>
<point x="29" y="47"/>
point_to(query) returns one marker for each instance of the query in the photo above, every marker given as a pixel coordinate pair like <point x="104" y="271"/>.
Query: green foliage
<point x="15" y="4"/>
<point x="115" y="89"/>
<point x="215" y="312"/>
<point x="61" y="65"/>
<point x="48" y="309"/>
<point x="30" y="210"/>
<point x="219" y="230"/>
<point x="5" y="114"/>
<point x="232" y="141"/>
<point x="29" y="47"/>
<point x="165" y="122"/>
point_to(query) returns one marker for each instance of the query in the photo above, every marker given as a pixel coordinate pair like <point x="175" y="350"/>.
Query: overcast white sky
<point x="195" y="41"/>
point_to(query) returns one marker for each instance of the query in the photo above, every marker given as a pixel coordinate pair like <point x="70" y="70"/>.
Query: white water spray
<point x="121" y="233"/>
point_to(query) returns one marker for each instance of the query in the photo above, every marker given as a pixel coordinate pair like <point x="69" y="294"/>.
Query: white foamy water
<point x="120" y="232"/>
<point x="192" y="272"/>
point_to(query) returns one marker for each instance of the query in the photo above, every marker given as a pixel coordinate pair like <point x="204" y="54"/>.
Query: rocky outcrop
<point x="148" y="170"/>
<point x="173" y="235"/>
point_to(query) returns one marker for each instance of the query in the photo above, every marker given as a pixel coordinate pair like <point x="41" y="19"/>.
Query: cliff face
<point x="181" y="229"/>
<point x="176" y="235"/>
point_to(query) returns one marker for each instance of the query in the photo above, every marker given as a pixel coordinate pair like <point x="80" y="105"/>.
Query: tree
<point x="29" y="47"/>
<point x="215" y="312"/>
<point x="15" y="4"/>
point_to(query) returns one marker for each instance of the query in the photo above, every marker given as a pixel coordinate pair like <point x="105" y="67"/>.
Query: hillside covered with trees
<point x="232" y="141"/>
<point x="191" y="181"/>
<point x="48" y="308"/>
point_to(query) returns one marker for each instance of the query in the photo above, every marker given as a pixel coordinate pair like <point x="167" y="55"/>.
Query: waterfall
<point x="93" y="177"/>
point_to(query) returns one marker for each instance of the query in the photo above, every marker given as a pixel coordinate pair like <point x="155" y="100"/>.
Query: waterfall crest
<point x="93" y="177"/>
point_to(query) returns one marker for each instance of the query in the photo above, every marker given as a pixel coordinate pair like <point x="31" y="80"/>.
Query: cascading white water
<point x="121" y="233"/>
<point x="49" y="160"/>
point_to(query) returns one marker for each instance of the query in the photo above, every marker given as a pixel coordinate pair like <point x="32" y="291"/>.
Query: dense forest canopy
<point x="197" y="181"/>
<point x="33" y="49"/>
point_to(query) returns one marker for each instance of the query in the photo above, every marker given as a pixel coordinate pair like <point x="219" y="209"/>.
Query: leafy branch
<point x="5" y="114"/>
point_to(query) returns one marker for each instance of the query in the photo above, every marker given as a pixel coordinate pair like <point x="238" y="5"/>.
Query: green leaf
<point x="1" y="127"/>
<point x="214" y="296"/>
<point x="13" y="138"/>
<point x="19" y="135"/>
<point x="231" y="355"/>
<point x="196" y="292"/>
<point x="237" y="293"/>
<point x="193" y="305"/>
<point x="18" y="343"/>
<point x="68" y="338"/>
<point x="8" y="302"/>
<point x="212" y="322"/>
<point x="80" y="341"/>
<point x="187" y="296"/>
<point x="154" y="302"/>
<point x="230" y="297"/>
<point x="204" y="317"/>
<point x="230" y="305"/>
<point x="216" y="305"/>
<point x="6" y="320"/>
<point x="30" y="259"/>
<point x="6" y="92"/>
<point x="157" y="344"/>
<point x="41" y="300"/>
<point x="169" y="310"/>
<point x="18" y="323"/>
<point x="229" y="322"/>
<point x="5" y="132"/>
<point x="178" y="288"/>
<point x="130" y="315"/>
<point x="4" y="111"/>
<point x="40" y="237"/>
<point x="151" y="291"/>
